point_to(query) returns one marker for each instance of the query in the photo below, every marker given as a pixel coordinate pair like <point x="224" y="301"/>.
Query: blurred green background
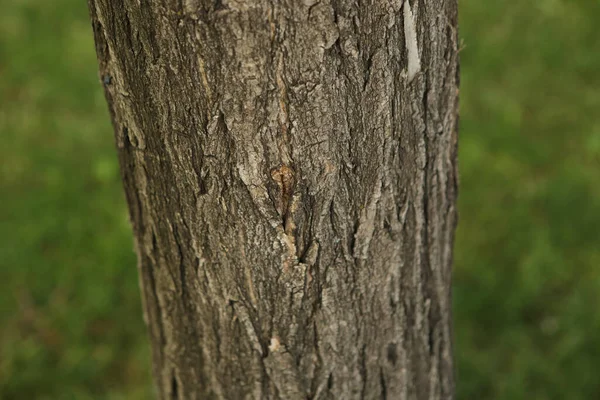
<point x="527" y="276"/>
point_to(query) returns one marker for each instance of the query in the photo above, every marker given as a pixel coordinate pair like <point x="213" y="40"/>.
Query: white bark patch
<point x="412" y="45"/>
<point x="190" y="6"/>
<point x="275" y="344"/>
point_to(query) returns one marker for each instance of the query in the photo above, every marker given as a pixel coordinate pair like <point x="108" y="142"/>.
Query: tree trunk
<point x="290" y="170"/>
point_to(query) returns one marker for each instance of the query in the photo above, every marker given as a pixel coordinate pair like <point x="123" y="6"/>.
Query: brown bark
<point x="290" y="170"/>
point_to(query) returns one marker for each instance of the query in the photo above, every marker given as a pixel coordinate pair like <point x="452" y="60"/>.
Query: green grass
<point x="70" y="318"/>
<point x="526" y="282"/>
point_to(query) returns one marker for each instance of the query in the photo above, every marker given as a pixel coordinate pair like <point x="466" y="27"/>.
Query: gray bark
<point x="290" y="171"/>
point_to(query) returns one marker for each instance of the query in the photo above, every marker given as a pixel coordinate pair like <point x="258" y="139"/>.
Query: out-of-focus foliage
<point x="71" y="323"/>
<point x="527" y="264"/>
<point x="526" y="282"/>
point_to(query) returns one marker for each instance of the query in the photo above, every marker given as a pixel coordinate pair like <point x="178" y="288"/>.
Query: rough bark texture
<point x="290" y="170"/>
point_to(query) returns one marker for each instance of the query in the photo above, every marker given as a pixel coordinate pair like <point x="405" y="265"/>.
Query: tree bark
<point x="290" y="171"/>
